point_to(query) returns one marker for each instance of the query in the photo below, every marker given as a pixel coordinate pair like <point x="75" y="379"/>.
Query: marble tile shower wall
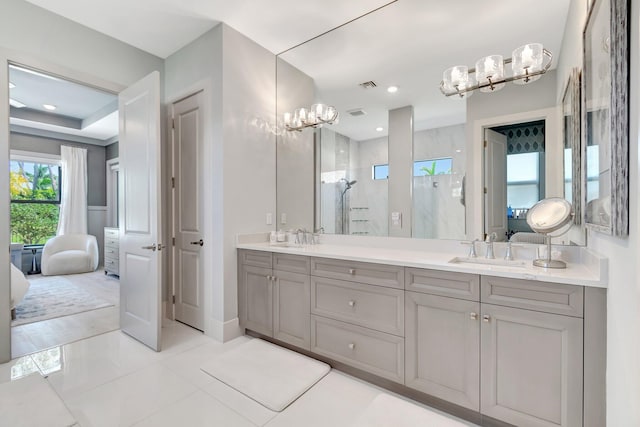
<point x="437" y="209"/>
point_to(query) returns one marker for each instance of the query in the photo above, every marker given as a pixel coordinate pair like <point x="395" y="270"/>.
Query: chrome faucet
<point x="489" y="241"/>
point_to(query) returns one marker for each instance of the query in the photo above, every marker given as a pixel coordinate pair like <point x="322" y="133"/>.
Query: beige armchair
<point x="69" y="254"/>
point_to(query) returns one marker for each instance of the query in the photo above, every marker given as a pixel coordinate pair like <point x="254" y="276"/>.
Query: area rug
<point x="271" y="375"/>
<point x="55" y="296"/>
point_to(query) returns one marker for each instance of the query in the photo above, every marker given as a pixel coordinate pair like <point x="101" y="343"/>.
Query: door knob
<point x="150" y="247"/>
<point x="199" y="242"/>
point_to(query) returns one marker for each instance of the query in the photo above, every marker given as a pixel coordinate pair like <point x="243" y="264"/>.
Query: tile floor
<point x="112" y="380"/>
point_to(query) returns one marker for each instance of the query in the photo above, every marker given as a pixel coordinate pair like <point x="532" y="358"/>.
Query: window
<point x="381" y="171"/>
<point x="35" y="199"/>
<point x="433" y="167"/>
<point x="523" y="180"/>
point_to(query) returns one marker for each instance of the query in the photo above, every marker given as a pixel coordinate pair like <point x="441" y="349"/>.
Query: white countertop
<point x="590" y="271"/>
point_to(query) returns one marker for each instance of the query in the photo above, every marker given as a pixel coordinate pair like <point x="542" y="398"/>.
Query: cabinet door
<point x="291" y="307"/>
<point x="531" y="367"/>
<point x="443" y="347"/>
<point x="257" y="299"/>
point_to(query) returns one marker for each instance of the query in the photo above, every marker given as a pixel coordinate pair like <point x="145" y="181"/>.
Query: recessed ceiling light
<point x="392" y="89"/>
<point x="458" y="151"/>
<point x="11" y="85"/>
<point x="379" y="129"/>
<point x="49" y="107"/>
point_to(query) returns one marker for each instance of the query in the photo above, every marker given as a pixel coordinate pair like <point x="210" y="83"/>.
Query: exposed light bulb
<point x="49" y="107"/>
<point x="392" y="89"/>
<point x="379" y="129"/>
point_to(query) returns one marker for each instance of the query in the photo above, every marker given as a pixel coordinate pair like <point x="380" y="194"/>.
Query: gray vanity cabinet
<point x="532" y="352"/>
<point x="257" y="299"/>
<point x="531" y="367"/>
<point x="274" y="295"/>
<point x="442" y="345"/>
<point x="291" y="320"/>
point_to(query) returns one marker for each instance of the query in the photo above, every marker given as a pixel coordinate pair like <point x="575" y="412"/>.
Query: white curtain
<point x="73" y="200"/>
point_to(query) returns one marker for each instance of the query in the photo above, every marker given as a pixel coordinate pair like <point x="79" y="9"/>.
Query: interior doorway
<point x="187" y="130"/>
<point x="46" y="113"/>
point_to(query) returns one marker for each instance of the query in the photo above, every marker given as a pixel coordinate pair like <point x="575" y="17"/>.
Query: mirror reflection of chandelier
<point x="316" y="116"/>
<point x="528" y="63"/>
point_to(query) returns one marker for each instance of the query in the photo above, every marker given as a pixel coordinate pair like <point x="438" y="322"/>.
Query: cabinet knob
<point x="473" y="316"/>
<point x="269" y="277"/>
<point x="352" y="303"/>
<point x="352" y="271"/>
<point x="486" y="318"/>
<point x="352" y="346"/>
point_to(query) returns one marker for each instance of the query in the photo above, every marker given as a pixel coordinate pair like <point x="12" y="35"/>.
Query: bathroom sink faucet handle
<point x="472" y="247"/>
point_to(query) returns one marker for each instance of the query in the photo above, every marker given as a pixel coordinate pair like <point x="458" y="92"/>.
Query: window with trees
<point x="35" y="200"/>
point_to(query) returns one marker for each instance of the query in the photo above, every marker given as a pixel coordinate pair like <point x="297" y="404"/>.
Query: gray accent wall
<point x="112" y="151"/>
<point x="96" y="166"/>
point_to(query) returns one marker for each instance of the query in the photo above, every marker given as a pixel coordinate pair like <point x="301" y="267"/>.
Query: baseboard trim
<point x="223" y="331"/>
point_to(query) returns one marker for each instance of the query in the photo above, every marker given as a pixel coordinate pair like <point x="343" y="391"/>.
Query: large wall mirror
<point x="400" y="160"/>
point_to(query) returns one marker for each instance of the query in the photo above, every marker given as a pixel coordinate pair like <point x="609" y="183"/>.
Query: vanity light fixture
<point x="49" y="107"/>
<point x="528" y="63"/>
<point x="316" y="116"/>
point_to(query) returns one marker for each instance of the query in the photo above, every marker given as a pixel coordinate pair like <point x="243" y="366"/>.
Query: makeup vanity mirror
<point x="400" y="161"/>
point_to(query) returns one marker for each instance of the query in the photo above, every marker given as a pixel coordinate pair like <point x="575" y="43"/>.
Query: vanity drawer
<point x="390" y="276"/>
<point x="444" y="283"/>
<point x="540" y="296"/>
<point x="372" y="351"/>
<point x="292" y="263"/>
<point x="375" y="307"/>
<point x="255" y="258"/>
<point x="110" y="242"/>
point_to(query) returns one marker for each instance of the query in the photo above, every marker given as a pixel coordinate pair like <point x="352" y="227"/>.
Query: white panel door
<point x="187" y="207"/>
<point x="495" y="158"/>
<point x="140" y="202"/>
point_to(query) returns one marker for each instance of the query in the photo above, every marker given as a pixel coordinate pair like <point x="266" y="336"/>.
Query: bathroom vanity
<point x="493" y="344"/>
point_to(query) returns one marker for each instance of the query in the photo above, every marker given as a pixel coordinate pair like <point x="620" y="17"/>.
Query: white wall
<point x="34" y="37"/>
<point x="623" y="293"/>
<point x="249" y="151"/>
<point x="238" y="77"/>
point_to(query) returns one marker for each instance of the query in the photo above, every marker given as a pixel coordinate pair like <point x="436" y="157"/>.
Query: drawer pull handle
<point x="473" y="316"/>
<point x="352" y="271"/>
<point x="486" y="318"/>
<point x="352" y="346"/>
<point x="352" y="303"/>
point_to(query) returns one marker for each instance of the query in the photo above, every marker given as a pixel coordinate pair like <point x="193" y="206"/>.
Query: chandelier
<point x="316" y="116"/>
<point x="528" y="63"/>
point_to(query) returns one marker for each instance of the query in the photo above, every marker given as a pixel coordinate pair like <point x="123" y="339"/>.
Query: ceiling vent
<point x="368" y="85"/>
<point x="357" y="112"/>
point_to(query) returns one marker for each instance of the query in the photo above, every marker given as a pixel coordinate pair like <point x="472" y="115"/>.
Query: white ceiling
<point x="162" y="27"/>
<point x="407" y="43"/>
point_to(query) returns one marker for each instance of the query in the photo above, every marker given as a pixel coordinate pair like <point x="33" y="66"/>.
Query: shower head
<point x="348" y="183"/>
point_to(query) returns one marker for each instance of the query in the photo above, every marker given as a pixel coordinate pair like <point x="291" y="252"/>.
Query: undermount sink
<point x="490" y="262"/>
